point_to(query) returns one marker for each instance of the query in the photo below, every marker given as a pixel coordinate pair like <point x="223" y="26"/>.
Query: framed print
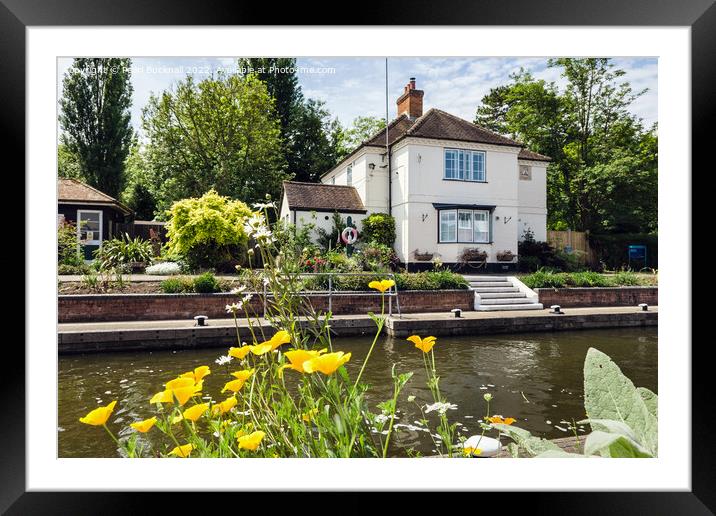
<point x="433" y="238"/>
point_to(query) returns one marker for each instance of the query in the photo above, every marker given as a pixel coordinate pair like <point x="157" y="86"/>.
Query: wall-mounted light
<point x="420" y="158"/>
<point x="371" y="166"/>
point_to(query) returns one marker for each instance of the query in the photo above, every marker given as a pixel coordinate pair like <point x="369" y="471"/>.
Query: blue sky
<point x="353" y="87"/>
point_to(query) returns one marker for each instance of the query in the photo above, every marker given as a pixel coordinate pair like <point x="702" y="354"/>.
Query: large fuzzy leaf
<point x="615" y="446"/>
<point x="651" y="400"/>
<point x="525" y="440"/>
<point x="608" y="394"/>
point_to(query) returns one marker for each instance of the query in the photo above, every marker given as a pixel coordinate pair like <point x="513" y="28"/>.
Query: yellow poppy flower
<point x="195" y="412"/>
<point x="326" y="364"/>
<point x="180" y="388"/>
<point x="308" y="416"/>
<point x="240" y="353"/>
<point x="251" y="441"/>
<point x="223" y="407"/>
<point x="241" y="377"/>
<point x="280" y="338"/>
<point x="424" y="345"/>
<point x="99" y="416"/>
<point x="144" y="426"/>
<point x="162" y="397"/>
<point x="296" y="358"/>
<point x="472" y="451"/>
<point x="261" y="349"/>
<point x="499" y="420"/>
<point x="381" y="285"/>
<point x="182" y="451"/>
<point x="198" y="373"/>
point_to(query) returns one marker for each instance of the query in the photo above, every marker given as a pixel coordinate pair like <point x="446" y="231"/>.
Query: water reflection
<point x="535" y="378"/>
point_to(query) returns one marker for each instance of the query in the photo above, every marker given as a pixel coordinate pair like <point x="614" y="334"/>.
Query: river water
<point x="535" y="378"/>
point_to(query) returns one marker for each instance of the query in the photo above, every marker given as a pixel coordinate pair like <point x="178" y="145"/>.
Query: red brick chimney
<point x="411" y="101"/>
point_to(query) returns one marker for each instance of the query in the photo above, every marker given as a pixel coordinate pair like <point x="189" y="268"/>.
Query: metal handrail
<point x="392" y="292"/>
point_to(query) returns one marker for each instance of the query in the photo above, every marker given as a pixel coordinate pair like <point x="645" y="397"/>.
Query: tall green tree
<point x="95" y="119"/>
<point x="221" y="133"/>
<point x="363" y="128"/>
<point x="310" y="137"/>
<point x="600" y="151"/>
<point x="139" y="192"/>
<point x="68" y="166"/>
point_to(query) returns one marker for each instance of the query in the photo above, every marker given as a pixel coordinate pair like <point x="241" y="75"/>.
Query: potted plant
<point x="423" y="257"/>
<point x="505" y="256"/>
<point x="473" y="254"/>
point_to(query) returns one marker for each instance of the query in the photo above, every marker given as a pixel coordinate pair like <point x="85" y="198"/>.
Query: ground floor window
<point x="468" y="226"/>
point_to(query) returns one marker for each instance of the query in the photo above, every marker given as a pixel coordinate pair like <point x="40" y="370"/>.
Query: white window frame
<point x="467" y="158"/>
<point x="349" y="175"/>
<point x="95" y="241"/>
<point x="440" y="227"/>
<point x="457" y="240"/>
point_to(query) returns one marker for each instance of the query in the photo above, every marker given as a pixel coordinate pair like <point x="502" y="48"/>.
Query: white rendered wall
<point x="425" y="185"/>
<point x="533" y="201"/>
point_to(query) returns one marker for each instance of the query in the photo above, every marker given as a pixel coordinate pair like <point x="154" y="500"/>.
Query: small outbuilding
<point x="98" y="216"/>
<point x="315" y="203"/>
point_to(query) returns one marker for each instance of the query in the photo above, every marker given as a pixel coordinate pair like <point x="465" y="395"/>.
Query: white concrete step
<point x="491" y="308"/>
<point x="502" y="295"/>
<point x="495" y="290"/>
<point x="482" y="284"/>
<point x="504" y="301"/>
<point x="479" y="279"/>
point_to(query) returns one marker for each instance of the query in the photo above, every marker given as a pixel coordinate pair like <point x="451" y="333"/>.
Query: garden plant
<point x="289" y="394"/>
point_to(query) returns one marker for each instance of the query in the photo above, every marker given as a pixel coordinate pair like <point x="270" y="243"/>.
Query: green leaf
<point x="613" y="445"/>
<point x="615" y="427"/>
<point x="531" y="444"/>
<point x="608" y="394"/>
<point x="650" y="399"/>
<point x="558" y="454"/>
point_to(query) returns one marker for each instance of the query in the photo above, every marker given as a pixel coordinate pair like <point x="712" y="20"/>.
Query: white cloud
<point x="356" y="86"/>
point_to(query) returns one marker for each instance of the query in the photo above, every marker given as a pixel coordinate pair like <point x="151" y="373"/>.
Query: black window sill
<point x="464" y="180"/>
<point x="474" y="243"/>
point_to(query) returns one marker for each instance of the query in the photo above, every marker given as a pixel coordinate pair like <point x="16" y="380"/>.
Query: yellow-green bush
<point x="208" y="231"/>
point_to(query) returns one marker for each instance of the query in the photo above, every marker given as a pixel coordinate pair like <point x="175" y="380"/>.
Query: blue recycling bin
<point x="637" y="255"/>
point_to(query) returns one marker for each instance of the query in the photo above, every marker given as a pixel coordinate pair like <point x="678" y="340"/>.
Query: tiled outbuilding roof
<point x="322" y="197"/>
<point x="76" y="192"/>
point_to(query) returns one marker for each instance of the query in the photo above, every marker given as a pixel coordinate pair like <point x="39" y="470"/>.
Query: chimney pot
<point x="411" y="101"/>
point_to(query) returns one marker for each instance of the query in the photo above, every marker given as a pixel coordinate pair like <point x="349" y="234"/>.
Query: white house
<point x="450" y="184"/>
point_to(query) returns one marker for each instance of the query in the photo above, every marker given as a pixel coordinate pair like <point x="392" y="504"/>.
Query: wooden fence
<point x="572" y="240"/>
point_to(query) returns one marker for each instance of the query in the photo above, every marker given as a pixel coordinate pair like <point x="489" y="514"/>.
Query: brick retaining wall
<point x="128" y="307"/>
<point x="598" y="296"/>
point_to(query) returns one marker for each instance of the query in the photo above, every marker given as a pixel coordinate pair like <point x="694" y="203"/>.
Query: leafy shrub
<point x="64" y="269"/>
<point x="539" y="251"/>
<point x="544" y="279"/>
<point x="431" y="280"/>
<point x="164" y="269"/>
<point x="206" y="284"/>
<point x="612" y="250"/>
<point x="208" y="231"/>
<point x="338" y="261"/>
<point x="178" y="285"/>
<point x="330" y="239"/>
<point x="626" y="278"/>
<point x="69" y="249"/>
<point x="378" y="257"/>
<point x="118" y="252"/>
<point x="587" y="279"/>
<point x="379" y="228"/>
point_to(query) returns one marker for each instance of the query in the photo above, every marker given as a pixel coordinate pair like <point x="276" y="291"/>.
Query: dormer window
<point x="465" y="165"/>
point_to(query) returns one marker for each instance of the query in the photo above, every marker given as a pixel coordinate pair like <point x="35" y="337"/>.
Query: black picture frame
<point x="699" y="15"/>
